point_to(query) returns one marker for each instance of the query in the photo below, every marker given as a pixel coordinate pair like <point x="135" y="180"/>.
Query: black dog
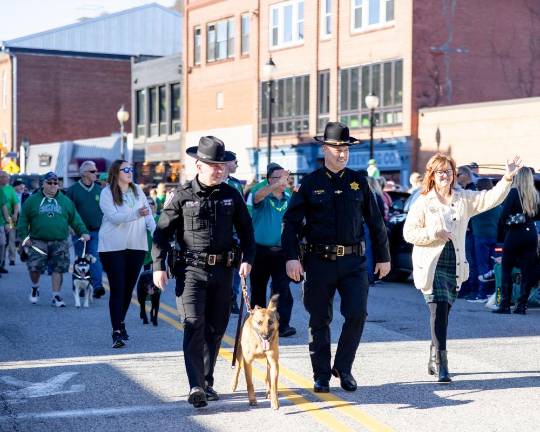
<point x="146" y="290"/>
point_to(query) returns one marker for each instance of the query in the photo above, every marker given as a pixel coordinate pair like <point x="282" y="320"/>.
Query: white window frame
<point x="364" y="4"/>
<point x="325" y="14"/>
<point x="245" y="31"/>
<point x="296" y="24"/>
<point x="229" y="30"/>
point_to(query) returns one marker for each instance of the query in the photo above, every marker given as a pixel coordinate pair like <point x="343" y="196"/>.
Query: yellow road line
<point x="343" y="406"/>
<point x="352" y="411"/>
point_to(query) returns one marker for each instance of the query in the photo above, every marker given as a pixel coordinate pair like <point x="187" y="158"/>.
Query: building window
<point x="290" y="110"/>
<point x="383" y="79"/>
<point x="323" y="102"/>
<point x="153" y="111"/>
<point x="244" y="41"/>
<point x="369" y="13"/>
<point x="326" y="18"/>
<point x="162" y="110"/>
<point x="287" y="26"/>
<point x="140" y="100"/>
<point x="220" y="40"/>
<point x="197" y="46"/>
<point x="175" y="108"/>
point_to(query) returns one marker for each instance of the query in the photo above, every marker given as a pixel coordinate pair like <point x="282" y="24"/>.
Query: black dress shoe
<point x="99" y="292"/>
<point x="287" y="331"/>
<point x="348" y="383"/>
<point x="520" y="309"/>
<point x="502" y="310"/>
<point x="197" y="397"/>
<point x="321" y="386"/>
<point x="211" y="394"/>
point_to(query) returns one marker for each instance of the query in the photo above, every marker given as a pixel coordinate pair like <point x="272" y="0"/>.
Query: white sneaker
<point x="34" y="295"/>
<point x="57" y="301"/>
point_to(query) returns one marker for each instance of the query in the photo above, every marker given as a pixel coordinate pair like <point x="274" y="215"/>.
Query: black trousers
<point x="347" y="275"/>
<point x="520" y="251"/>
<point x="122" y="268"/>
<point x="271" y="264"/>
<point x="438" y="314"/>
<point x="204" y="304"/>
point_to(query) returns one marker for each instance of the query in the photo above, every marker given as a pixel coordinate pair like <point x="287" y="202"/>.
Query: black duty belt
<point x="204" y="258"/>
<point x="331" y="252"/>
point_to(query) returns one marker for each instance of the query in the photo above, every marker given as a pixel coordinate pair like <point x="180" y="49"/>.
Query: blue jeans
<point x="96" y="270"/>
<point x="483" y="248"/>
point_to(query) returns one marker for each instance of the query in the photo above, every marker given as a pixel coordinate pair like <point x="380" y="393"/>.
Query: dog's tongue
<point x="266" y="345"/>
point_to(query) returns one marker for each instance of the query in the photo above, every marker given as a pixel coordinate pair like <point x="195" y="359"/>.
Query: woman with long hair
<point x="436" y="225"/>
<point x="521" y="240"/>
<point x="123" y="241"/>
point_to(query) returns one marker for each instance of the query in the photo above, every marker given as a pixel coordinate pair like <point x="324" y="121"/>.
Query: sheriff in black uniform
<point x="329" y="210"/>
<point x="202" y="215"/>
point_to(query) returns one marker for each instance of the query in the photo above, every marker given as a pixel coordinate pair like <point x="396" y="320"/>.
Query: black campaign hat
<point x="211" y="150"/>
<point x="336" y="134"/>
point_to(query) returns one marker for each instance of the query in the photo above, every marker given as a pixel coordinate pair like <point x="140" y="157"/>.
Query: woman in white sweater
<point x="436" y="226"/>
<point x="123" y="241"/>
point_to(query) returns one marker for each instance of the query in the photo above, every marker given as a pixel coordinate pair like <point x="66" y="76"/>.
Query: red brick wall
<point x="503" y="42"/>
<point x="67" y="98"/>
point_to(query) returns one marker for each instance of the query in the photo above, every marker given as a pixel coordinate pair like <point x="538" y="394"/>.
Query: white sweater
<point x="122" y="227"/>
<point x="428" y="215"/>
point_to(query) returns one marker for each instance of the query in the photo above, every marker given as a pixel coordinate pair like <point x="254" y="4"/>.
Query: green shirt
<point x="11" y="197"/>
<point x="49" y="219"/>
<point x="268" y="217"/>
<point x="86" y="200"/>
<point x="2" y="204"/>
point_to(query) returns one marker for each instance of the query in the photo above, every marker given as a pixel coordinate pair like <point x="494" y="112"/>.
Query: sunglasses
<point x="92" y="171"/>
<point x="52" y="183"/>
<point x="127" y="170"/>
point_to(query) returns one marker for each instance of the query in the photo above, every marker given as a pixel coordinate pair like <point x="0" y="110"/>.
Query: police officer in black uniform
<point x="329" y="211"/>
<point x="202" y="214"/>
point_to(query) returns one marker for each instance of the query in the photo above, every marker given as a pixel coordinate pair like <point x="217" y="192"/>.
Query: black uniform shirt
<point x="202" y="219"/>
<point x="330" y="209"/>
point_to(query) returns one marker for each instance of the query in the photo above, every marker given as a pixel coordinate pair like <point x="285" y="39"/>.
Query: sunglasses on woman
<point x="127" y="170"/>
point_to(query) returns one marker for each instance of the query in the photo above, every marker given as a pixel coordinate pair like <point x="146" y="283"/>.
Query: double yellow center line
<point x="323" y="416"/>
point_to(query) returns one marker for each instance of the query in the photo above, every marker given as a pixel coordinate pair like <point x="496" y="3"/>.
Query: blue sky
<point x="24" y="17"/>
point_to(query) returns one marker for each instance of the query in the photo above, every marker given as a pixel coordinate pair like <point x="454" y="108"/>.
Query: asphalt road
<point x="58" y="372"/>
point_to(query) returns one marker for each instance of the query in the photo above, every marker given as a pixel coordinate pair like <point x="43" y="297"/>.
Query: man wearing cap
<point x="43" y="228"/>
<point x="329" y="210"/>
<point x="202" y="214"/>
<point x="269" y="205"/>
<point x="13" y="206"/>
<point x="85" y="195"/>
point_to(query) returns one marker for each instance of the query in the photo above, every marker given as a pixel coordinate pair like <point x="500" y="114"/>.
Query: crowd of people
<point x="330" y="232"/>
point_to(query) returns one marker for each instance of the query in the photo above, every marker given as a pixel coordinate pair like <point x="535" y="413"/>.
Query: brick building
<point x="330" y="54"/>
<point x="68" y="83"/>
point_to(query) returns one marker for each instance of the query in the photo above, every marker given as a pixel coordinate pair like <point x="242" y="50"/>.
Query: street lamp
<point x="123" y="116"/>
<point x="23" y="151"/>
<point x="269" y="70"/>
<point x="372" y="102"/>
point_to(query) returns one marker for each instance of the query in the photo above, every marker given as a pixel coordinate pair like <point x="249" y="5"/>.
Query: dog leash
<point x="243" y="299"/>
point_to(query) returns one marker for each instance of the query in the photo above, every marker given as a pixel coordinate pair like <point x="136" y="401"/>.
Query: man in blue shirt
<point x="269" y="205"/>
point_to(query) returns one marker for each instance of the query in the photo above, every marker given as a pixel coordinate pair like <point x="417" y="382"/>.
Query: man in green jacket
<point x="43" y="228"/>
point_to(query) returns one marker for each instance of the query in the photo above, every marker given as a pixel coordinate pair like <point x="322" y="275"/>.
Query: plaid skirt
<point x="444" y="282"/>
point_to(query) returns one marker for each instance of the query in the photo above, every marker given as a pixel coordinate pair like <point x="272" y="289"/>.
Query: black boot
<point x="502" y="310"/>
<point x="442" y="363"/>
<point x="432" y="363"/>
<point x="521" y="309"/>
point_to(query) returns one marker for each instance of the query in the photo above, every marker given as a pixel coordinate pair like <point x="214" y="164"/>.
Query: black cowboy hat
<point x="211" y="150"/>
<point x="336" y="134"/>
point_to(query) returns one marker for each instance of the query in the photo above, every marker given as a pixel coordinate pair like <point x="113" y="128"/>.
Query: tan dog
<point x="260" y="339"/>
